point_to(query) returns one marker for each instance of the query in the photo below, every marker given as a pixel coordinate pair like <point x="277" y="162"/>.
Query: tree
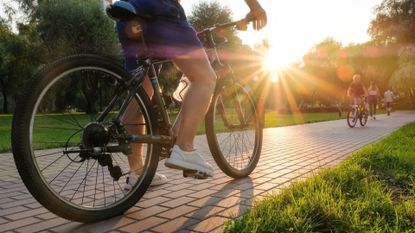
<point x="394" y="22"/>
<point x="54" y="29"/>
<point x="403" y="79"/>
<point x="5" y="35"/>
<point x="75" y="26"/>
<point x="206" y="14"/>
<point x="20" y="55"/>
<point x="322" y="64"/>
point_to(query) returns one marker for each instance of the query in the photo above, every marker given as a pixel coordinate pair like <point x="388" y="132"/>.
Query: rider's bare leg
<point x="133" y="115"/>
<point x="176" y="125"/>
<point x="198" y="70"/>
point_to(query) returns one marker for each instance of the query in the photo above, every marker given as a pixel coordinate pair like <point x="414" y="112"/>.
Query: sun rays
<point x="283" y="87"/>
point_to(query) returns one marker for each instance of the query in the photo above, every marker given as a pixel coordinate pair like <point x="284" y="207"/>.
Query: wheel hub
<point x="95" y="135"/>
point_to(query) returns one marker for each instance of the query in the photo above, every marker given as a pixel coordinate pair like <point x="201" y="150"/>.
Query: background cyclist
<point x="356" y="92"/>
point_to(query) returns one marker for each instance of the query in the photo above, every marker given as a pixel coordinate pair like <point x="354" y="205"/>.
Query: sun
<point x="274" y="61"/>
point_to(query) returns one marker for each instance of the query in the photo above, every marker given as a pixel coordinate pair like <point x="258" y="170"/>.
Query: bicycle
<point x="358" y="112"/>
<point x="70" y="140"/>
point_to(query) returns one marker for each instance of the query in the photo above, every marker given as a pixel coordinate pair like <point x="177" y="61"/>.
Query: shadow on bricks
<point x="236" y="196"/>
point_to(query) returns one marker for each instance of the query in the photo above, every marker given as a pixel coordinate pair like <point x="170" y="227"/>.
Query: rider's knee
<point x="207" y="80"/>
<point x="211" y="81"/>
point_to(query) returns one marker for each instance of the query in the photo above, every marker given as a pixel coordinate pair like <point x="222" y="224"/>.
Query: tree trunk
<point x="5" y="100"/>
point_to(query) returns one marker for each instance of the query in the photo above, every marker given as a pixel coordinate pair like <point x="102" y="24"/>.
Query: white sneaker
<point x="132" y="178"/>
<point x="184" y="160"/>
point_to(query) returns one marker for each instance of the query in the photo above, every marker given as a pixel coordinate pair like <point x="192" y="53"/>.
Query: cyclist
<point x="356" y="91"/>
<point x="169" y="35"/>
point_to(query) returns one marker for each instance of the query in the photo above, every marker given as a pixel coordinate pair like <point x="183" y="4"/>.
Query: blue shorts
<point x="167" y="33"/>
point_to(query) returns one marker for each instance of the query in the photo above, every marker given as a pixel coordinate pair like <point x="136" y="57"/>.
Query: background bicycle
<point x="358" y="112"/>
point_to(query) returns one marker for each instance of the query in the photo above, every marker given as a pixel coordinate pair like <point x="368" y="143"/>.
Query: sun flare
<point x="274" y="76"/>
<point x="273" y="61"/>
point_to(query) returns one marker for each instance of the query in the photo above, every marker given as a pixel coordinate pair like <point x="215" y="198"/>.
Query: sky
<point x="295" y="26"/>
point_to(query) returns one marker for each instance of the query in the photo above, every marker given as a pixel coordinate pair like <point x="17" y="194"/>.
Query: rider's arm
<point x="258" y="13"/>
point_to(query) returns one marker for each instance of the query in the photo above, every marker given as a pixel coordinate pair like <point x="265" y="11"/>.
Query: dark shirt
<point x="356" y="89"/>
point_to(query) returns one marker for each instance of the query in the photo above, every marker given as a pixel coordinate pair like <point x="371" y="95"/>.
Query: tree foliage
<point x="394" y="22"/>
<point x="404" y="77"/>
<point x="206" y="14"/>
<point x="20" y="55"/>
<point x="75" y="26"/>
<point x="52" y="29"/>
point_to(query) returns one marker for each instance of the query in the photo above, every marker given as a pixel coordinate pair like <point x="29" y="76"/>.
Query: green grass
<point x="274" y="119"/>
<point x="52" y="127"/>
<point x="5" y="127"/>
<point x="372" y="191"/>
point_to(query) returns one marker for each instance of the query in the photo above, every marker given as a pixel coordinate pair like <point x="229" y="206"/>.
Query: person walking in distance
<point x="373" y="95"/>
<point x="388" y="100"/>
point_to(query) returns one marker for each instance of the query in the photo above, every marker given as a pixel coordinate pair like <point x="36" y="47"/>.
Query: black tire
<point x="221" y="126"/>
<point x="364" y="115"/>
<point x="351" y="121"/>
<point x="38" y="114"/>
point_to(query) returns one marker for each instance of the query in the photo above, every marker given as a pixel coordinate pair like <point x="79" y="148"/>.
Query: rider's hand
<point x="258" y="15"/>
<point x="242" y="25"/>
<point x="133" y="29"/>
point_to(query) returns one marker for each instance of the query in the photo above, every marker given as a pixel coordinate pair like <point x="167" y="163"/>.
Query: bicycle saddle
<point x="123" y="11"/>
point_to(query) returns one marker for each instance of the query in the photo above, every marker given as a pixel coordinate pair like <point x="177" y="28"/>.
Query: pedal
<point x="165" y="152"/>
<point x="195" y="174"/>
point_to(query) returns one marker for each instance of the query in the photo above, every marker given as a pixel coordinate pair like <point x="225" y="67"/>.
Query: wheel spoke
<point x="52" y="162"/>
<point x="73" y="175"/>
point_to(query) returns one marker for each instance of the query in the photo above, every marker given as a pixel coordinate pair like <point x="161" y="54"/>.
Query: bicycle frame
<point x="148" y="67"/>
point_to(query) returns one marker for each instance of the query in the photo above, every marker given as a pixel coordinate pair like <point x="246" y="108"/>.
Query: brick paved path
<point x="186" y="205"/>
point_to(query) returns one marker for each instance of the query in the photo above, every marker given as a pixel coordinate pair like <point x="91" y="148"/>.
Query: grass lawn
<point x="5" y="126"/>
<point x="54" y="129"/>
<point x="372" y="191"/>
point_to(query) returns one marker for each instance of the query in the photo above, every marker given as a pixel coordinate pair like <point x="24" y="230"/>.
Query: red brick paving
<point x="187" y="205"/>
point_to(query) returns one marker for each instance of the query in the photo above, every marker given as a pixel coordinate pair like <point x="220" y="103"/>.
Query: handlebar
<point x="224" y="25"/>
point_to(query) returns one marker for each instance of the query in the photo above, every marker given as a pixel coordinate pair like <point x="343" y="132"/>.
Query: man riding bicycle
<point x="169" y="35"/>
<point x="357" y="91"/>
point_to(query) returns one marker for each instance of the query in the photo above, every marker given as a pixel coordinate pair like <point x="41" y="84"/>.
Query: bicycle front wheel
<point x="352" y="118"/>
<point x="363" y="117"/>
<point x="234" y="130"/>
<point x="67" y="146"/>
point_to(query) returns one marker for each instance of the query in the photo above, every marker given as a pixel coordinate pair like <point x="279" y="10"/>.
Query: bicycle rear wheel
<point x="352" y="118"/>
<point x="234" y="130"/>
<point x="58" y="133"/>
